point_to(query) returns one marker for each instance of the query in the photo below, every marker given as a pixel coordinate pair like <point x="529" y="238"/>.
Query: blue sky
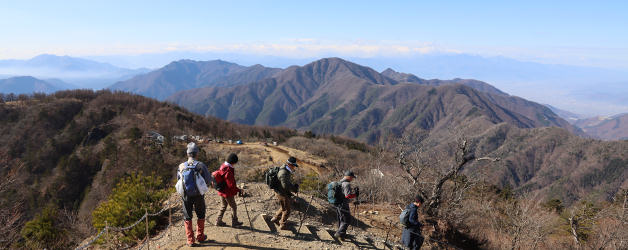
<point x="591" y="33"/>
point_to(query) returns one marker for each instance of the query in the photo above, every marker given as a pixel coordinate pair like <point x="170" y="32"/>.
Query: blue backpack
<point x="334" y="193"/>
<point x="189" y="179"/>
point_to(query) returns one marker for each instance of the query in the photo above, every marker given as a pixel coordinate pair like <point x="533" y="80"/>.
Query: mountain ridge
<point x="81" y="72"/>
<point x="188" y="74"/>
<point x="311" y="97"/>
<point x="606" y="128"/>
<point x="27" y="85"/>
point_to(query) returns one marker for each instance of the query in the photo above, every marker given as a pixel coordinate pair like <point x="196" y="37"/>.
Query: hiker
<point x="193" y="197"/>
<point x="411" y="236"/>
<point x="228" y="190"/>
<point x="284" y="192"/>
<point x="344" y="214"/>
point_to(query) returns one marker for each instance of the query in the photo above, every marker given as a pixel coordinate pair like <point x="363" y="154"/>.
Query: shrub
<point x="311" y="183"/>
<point x="43" y="231"/>
<point x="309" y="134"/>
<point x="134" y="133"/>
<point x="554" y="205"/>
<point x="255" y="175"/>
<point x="127" y="203"/>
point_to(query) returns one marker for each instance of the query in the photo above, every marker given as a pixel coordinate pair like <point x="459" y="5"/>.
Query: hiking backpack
<point x="193" y="182"/>
<point x="334" y="193"/>
<point x="272" y="180"/>
<point x="219" y="180"/>
<point x="404" y="217"/>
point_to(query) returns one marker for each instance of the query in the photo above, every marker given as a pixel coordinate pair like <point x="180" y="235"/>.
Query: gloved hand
<point x="240" y="193"/>
<point x="296" y="188"/>
<point x="357" y="192"/>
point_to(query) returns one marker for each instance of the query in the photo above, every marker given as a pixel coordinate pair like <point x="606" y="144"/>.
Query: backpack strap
<point x="191" y="166"/>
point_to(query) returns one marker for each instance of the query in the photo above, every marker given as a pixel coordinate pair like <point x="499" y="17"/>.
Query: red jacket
<point x="231" y="189"/>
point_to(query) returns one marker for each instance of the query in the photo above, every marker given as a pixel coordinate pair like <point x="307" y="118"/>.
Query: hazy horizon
<point x="572" y="55"/>
<point x="560" y="32"/>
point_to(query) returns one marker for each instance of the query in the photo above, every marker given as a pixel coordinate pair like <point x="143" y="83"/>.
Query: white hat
<point x="192" y="148"/>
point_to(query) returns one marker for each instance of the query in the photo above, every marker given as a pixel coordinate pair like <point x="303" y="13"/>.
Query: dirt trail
<point x="257" y="154"/>
<point x="319" y="223"/>
<point x="315" y="233"/>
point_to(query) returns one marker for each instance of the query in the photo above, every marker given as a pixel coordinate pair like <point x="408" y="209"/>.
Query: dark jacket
<point x="413" y="220"/>
<point x="228" y="173"/>
<point x="411" y="236"/>
<point x="287" y="186"/>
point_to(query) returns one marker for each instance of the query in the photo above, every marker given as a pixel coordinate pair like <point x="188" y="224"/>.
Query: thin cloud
<point x="313" y="48"/>
<point x="296" y="48"/>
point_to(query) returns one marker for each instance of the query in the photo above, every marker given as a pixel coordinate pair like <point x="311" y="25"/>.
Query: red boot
<point x="200" y="227"/>
<point x="189" y="233"/>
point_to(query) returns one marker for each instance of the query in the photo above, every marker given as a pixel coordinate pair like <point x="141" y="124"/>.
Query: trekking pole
<point x="357" y="214"/>
<point x="305" y="214"/>
<point x="387" y="232"/>
<point x="247" y="212"/>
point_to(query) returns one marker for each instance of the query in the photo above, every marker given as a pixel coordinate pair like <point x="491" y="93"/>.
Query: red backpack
<point x="219" y="178"/>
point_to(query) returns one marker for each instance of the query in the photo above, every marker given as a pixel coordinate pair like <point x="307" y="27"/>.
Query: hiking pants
<point x="196" y="204"/>
<point x="344" y="218"/>
<point x="234" y="208"/>
<point x="412" y="238"/>
<point x="285" y="206"/>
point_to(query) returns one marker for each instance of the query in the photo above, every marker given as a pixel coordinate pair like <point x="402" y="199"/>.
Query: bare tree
<point x="430" y="168"/>
<point x="526" y="223"/>
<point x="611" y="229"/>
<point x="11" y="215"/>
<point x="581" y="220"/>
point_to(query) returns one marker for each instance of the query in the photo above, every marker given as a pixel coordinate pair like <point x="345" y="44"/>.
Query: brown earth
<point x="316" y="232"/>
<point x="258" y="155"/>
<point x="376" y="222"/>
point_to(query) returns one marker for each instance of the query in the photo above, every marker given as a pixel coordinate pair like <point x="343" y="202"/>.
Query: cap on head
<point x="192" y="148"/>
<point x="232" y="158"/>
<point x="349" y="173"/>
<point x="292" y="161"/>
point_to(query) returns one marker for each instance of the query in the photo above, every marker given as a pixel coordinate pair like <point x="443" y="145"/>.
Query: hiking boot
<point x="200" y="228"/>
<point x="235" y="223"/>
<point x="189" y="233"/>
<point x="340" y="237"/>
<point x="275" y="220"/>
<point x="220" y="223"/>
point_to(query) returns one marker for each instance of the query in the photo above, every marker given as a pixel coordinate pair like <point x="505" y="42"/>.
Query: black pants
<point x="412" y="238"/>
<point x="344" y="218"/>
<point x="196" y="204"/>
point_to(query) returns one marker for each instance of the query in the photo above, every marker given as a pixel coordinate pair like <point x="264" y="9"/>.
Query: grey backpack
<point x="404" y="217"/>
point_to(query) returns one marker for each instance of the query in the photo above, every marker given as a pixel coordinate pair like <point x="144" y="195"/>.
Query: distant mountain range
<point x="569" y="116"/>
<point x="607" y="128"/>
<point x="188" y="74"/>
<point x="334" y="96"/>
<point x="599" y="127"/>
<point x="82" y="73"/>
<point x="587" y="90"/>
<point x="28" y="85"/>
